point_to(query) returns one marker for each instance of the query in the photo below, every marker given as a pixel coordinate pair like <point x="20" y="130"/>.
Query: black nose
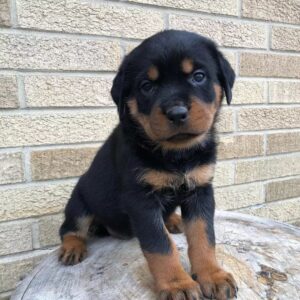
<point x="177" y="114"/>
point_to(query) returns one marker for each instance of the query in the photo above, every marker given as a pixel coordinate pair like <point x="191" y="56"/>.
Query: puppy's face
<point x="172" y="86"/>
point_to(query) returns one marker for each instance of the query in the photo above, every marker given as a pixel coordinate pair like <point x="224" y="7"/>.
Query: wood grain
<point x="263" y="255"/>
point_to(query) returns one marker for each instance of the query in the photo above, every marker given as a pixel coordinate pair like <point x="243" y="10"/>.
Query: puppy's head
<point x="171" y="87"/>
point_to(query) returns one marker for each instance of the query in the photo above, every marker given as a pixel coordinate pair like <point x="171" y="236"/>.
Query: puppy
<point x="161" y="156"/>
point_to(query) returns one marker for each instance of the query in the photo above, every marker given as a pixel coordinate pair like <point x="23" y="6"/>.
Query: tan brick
<point x="8" y="92"/>
<point x="284" y="92"/>
<point x="23" y="202"/>
<point x="269" y="65"/>
<point x="267" y="168"/>
<point x="52" y="128"/>
<point x="284" y="38"/>
<point x="240" y="146"/>
<point x="89" y="17"/>
<point x="230" y="56"/>
<point x="225" y="121"/>
<point x="225" y="7"/>
<point x="11" y="168"/>
<point x="53" y="53"/>
<point x="283" y="211"/>
<point x="286" y="11"/>
<point x="42" y="91"/>
<point x="4" y="13"/>
<point x="283" y="142"/>
<point x="278" y="190"/>
<point x="249" y="92"/>
<point x="268" y="118"/>
<point x="48" y="230"/>
<point x="14" y="269"/>
<point x="225" y="33"/>
<point x="224" y="174"/>
<point x="129" y="46"/>
<point x="15" y="237"/>
<point x="235" y="197"/>
<point x="60" y="163"/>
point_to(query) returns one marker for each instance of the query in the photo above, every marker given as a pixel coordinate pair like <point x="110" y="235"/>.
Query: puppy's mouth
<point x="182" y="137"/>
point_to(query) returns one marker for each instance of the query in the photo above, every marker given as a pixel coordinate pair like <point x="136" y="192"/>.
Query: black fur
<point x="110" y="189"/>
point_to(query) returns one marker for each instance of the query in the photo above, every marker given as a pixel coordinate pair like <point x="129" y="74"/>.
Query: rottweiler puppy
<point x="161" y="156"/>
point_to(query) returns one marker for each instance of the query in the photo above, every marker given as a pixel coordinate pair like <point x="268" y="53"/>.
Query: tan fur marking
<point x="219" y="94"/>
<point x="73" y="249"/>
<point x="201" y="253"/>
<point x="201" y="118"/>
<point x="159" y="129"/>
<point x="213" y="280"/>
<point x="153" y="73"/>
<point x="187" y="65"/>
<point x="202" y="114"/>
<point x="201" y="175"/>
<point x="160" y="179"/>
<point x="174" y="223"/>
<point x="168" y="272"/>
<point x="198" y="176"/>
<point x="132" y="104"/>
<point x="182" y="145"/>
<point x="141" y="118"/>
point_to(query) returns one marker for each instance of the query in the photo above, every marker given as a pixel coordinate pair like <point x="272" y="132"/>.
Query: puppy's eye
<point x="198" y="77"/>
<point x="146" y="86"/>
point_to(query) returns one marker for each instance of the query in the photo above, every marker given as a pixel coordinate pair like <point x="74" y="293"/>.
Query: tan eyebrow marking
<point x="153" y="73"/>
<point x="187" y="65"/>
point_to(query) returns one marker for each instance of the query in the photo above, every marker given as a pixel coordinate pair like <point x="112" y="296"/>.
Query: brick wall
<point x="57" y="61"/>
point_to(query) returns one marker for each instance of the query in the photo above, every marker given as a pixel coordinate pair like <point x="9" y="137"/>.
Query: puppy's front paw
<point x="72" y="251"/>
<point x="218" y="284"/>
<point x="181" y="290"/>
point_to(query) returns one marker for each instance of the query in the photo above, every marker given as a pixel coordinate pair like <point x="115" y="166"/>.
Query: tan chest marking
<point x="198" y="176"/>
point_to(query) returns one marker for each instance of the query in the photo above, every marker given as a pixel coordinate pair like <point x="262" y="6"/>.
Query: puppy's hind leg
<point x="174" y="223"/>
<point x="74" y="230"/>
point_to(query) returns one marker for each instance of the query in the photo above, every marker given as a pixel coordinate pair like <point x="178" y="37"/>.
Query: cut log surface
<point x="263" y="255"/>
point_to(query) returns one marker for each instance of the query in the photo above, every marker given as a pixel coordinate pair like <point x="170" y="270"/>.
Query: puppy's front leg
<point x="161" y="253"/>
<point x="198" y="217"/>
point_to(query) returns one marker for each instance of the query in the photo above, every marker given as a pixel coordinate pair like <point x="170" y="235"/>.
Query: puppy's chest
<point x="160" y="180"/>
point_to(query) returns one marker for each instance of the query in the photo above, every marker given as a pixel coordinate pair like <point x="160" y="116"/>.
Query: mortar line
<point x="110" y="74"/>
<point x="52" y="147"/>
<point x="240" y="8"/>
<point x="13" y="13"/>
<point x="268" y="37"/>
<point x="259" y="205"/>
<point x="35" y="235"/>
<point x="21" y="92"/>
<point x="49" y="72"/>
<point x="27" y="166"/>
<point x="30" y="111"/>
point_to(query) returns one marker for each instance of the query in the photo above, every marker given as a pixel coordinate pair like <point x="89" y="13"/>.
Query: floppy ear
<point x="226" y="77"/>
<point x="119" y="89"/>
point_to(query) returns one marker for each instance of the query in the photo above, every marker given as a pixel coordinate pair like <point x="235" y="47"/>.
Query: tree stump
<point x="263" y="255"/>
